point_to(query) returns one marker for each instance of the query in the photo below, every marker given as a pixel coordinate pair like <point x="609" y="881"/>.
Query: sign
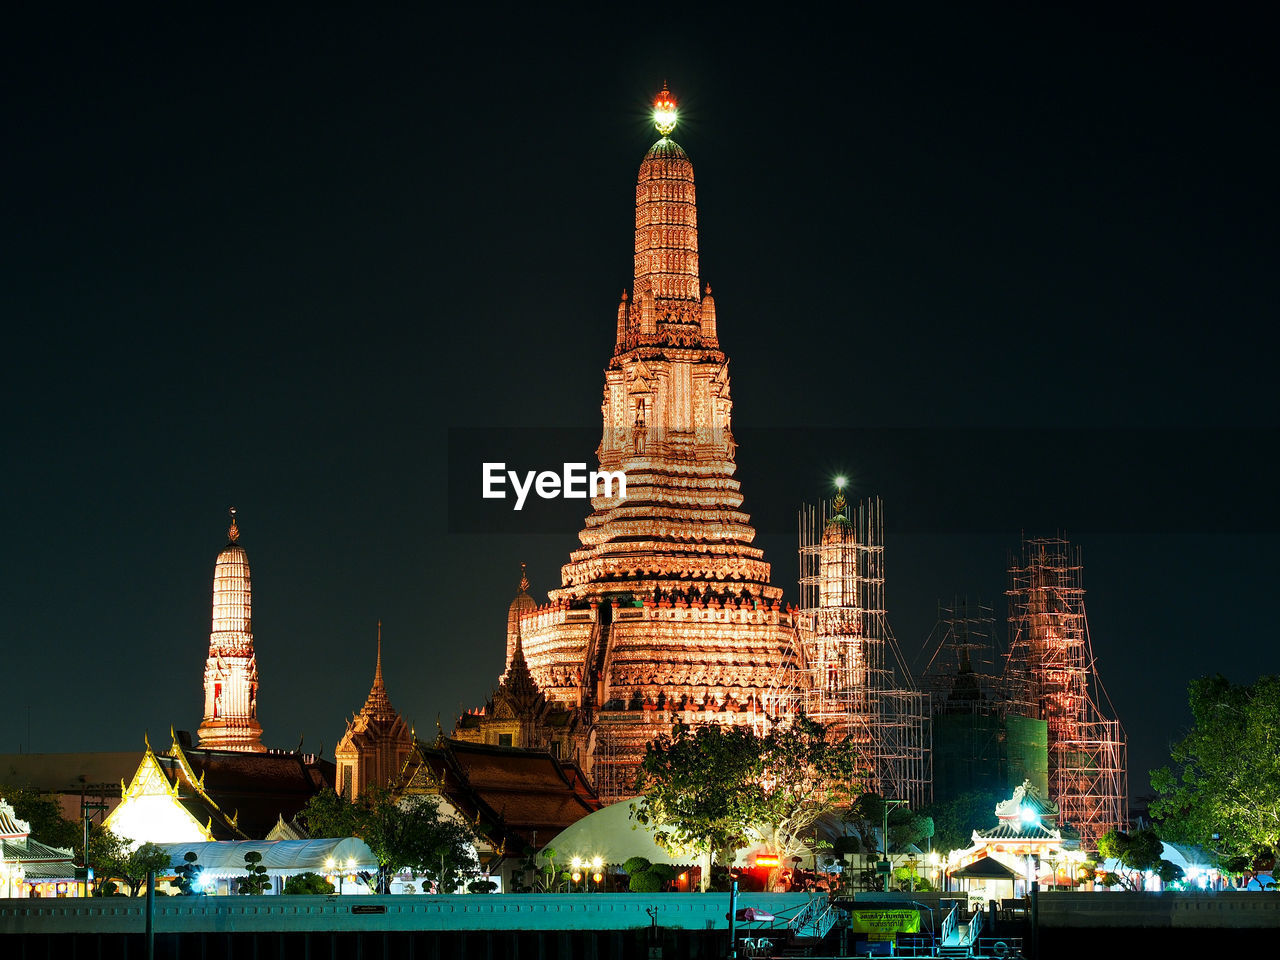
<point x="884" y="924"/>
<point x="368" y="908"/>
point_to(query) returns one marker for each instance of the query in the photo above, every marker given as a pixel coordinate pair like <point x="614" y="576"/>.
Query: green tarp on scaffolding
<point x="1027" y="745"/>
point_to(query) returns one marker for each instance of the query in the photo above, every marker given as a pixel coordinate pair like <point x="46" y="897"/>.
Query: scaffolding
<point x="1051" y="674"/>
<point x="852" y="676"/>
<point x="971" y="747"/>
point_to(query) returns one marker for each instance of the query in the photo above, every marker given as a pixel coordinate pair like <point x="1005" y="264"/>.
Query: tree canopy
<point x="44" y="813"/>
<point x="113" y="859"/>
<point x="411" y="833"/>
<point x="1137" y="853"/>
<point x="705" y="789"/>
<point x="1221" y="790"/>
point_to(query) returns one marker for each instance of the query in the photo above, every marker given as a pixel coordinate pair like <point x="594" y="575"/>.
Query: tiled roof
<point x="518" y="795"/>
<point x="1025" y="831"/>
<point x="256" y="789"/>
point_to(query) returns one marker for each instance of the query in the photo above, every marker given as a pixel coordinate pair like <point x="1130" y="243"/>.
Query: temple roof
<point x="518" y="797"/>
<point x="243" y="795"/>
<point x="667" y="149"/>
<point x="1026" y="798"/>
<point x="378" y="705"/>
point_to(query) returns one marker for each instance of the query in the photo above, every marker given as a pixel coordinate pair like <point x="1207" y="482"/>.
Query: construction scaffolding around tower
<point x="1050" y="675"/>
<point x="852" y="676"/>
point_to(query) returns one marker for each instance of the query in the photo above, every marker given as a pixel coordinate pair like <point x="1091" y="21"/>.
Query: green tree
<point x="1138" y="853"/>
<point x="1220" y="790"/>
<point x="411" y="833"/>
<point x="257" y="881"/>
<point x="113" y="860"/>
<point x="702" y="789"/>
<point x="805" y="776"/>
<point x="309" y="883"/>
<point x="44" y="813"/>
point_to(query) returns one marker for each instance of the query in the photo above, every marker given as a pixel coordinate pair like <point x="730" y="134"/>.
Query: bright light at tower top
<point x="840" y="482"/>
<point x="664" y="111"/>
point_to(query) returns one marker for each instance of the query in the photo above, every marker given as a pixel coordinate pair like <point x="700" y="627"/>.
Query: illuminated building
<point x="1002" y="861"/>
<point x="193" y="794"/>
<point x="514" y="798"/>
<point x="518" y="714"/>
<point x="231" y="671"/>
<point x="376" y="743"/>
<point x="1050" y="672"/>
<point x="666" y="611"/>
<point x="28" y="866"/>
<point x="852" y="676"/>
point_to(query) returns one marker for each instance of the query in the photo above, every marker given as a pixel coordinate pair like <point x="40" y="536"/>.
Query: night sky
<point x="1013" y="273"/>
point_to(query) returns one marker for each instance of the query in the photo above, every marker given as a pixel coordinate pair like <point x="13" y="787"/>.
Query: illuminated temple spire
<point x="231" y="671"/>
<point x="667" y="418"/>
<point x="667" y="604"/>
<point x="378" y="703"/>
<point x="376" y="742"/>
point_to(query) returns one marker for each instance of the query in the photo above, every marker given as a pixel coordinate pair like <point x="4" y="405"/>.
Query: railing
<point x="949" y="923"/>
<point x="815" y="920"/>
<point x="975" y="926"/>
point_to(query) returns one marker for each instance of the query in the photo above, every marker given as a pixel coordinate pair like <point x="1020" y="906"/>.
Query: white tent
<point x="614" y="835"/>
<point x="281" y="858"/>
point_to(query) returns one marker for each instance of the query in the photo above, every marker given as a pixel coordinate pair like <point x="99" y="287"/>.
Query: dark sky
<point x="1013" y="273"/>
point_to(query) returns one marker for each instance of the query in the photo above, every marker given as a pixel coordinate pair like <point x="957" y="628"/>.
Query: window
<point x="346" y="781"/>
<point x="504" y="740"/>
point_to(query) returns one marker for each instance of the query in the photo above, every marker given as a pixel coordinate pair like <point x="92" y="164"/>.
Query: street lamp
<point x="597" y="865"/>
<point x="332" y="867"/>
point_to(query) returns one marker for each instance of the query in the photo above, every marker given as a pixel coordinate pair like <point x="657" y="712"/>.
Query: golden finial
<point x="840" y="501"/>
<point x="233" y="534"/>
<point x="524" y="577"/>
<point x="664" y="111"/>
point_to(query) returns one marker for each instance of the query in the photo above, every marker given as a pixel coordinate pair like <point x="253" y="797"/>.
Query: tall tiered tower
<point x="666" y="611"/>
<point x="376" y="743"/>
<point x="231" y="672"/>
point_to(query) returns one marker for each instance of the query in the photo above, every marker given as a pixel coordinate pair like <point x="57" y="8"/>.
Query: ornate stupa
<point x="376" y="742"/>
<point x="666" y="611"/>
<point x="522" y="604"/>
<point x="231" y="671"/>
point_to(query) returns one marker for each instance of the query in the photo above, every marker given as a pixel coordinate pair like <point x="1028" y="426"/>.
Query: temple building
<point x="518" y="714"/>
<point x="29" y="867"/>
<point x="1003" y="861"/>
<point x="515" y="798"/>
<point x="377" y="741"/>
<point x="231" y="670"/>
<point x="190" y="794"/>
<point x="667" y="611"/>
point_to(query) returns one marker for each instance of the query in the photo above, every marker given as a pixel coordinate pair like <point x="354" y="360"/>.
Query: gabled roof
<point x="517" y="797"/>
<point x="245" y="793"/>
<point x="231" y="794"/>
<point x="985" y="868"/>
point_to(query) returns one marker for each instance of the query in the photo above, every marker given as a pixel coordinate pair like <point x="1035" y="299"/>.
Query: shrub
<point x="307" y="883"/>
<point x="636" y="865"/>
<point x="663" y="871"/>
<point x="481" y="886"/>
<point x="644" y="882"/>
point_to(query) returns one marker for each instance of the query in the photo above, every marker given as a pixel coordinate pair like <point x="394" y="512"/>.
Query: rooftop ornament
<point x="664" y="111"/>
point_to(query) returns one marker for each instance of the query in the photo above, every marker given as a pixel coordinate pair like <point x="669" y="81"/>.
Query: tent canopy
<point x="224" y="857"/>
<point x="613" y="835"/>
